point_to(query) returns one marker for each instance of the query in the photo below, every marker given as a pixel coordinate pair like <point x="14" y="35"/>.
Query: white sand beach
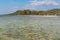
<point x="43" y="16"/>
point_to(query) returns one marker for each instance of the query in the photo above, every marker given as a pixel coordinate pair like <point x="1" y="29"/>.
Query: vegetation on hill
<point x="34" y="12"/>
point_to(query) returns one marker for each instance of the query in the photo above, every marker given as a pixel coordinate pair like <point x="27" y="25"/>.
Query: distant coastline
<point x="43" y="16"/>
<point x="48" y="13"/>
<point x="52" y="12"/>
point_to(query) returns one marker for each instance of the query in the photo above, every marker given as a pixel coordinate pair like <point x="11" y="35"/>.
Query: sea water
<point x="24" y="20"/>
<point x="49" y="23"/>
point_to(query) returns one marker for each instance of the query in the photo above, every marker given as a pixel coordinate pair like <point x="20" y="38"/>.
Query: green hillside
<point x="34" y="12"/>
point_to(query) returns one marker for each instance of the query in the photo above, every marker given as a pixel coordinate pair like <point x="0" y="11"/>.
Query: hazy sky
<point x="8" y="6"/>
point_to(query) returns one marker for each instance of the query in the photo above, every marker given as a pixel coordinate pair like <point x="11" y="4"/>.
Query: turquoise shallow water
<point x="28" y="19"/>
<point x="46" y="22"/>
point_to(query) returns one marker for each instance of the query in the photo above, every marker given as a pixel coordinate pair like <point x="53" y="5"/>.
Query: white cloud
<point x="44" y="2"/>
<point x="34" y="3"/>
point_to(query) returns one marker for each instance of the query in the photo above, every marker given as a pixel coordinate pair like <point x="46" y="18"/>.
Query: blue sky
<point x="9" y="6"/>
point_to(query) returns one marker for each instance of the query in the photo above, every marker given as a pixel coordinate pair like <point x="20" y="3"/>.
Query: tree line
<point x="34" y="12"/>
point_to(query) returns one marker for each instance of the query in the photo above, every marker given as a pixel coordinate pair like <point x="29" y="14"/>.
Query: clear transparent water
<point x="47" y="22"/>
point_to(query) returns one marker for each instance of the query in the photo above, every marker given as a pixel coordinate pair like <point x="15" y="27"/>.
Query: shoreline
<point x="44" y="16"/>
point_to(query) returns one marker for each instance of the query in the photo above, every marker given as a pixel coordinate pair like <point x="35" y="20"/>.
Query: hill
<point x="34" y="12"/>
